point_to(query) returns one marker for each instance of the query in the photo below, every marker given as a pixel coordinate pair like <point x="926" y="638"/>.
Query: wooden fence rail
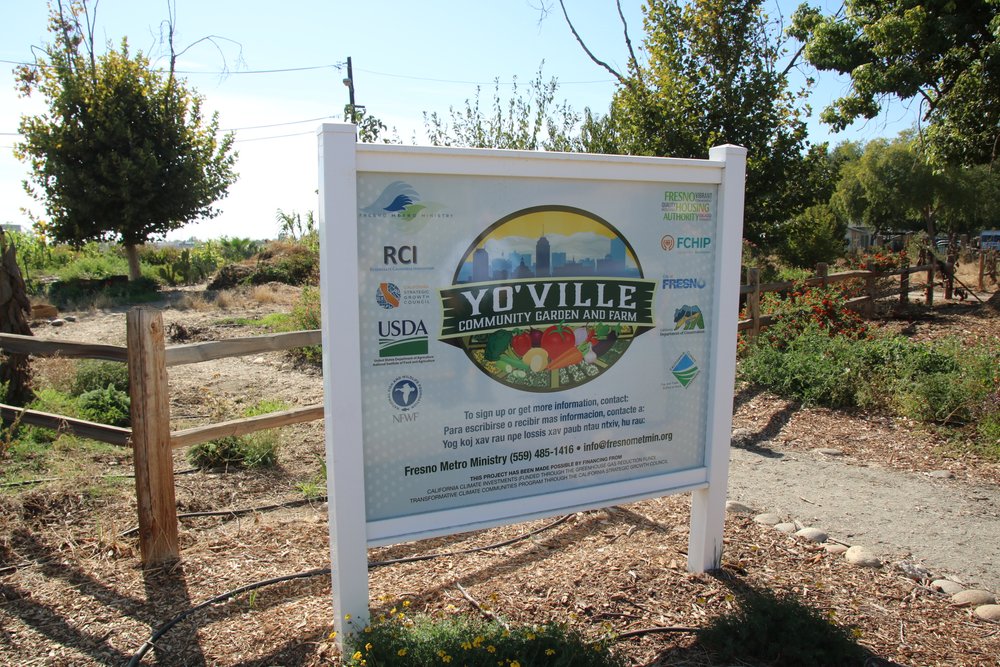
<point x="150" y="437"/>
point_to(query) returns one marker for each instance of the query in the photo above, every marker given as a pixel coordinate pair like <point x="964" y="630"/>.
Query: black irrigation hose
<point x="27" y="482"/>
<point x="163" y="629"/>
<point x="238" y="512"/>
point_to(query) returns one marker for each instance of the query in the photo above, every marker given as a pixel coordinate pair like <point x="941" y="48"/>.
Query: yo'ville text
<point x="466" y="307"/>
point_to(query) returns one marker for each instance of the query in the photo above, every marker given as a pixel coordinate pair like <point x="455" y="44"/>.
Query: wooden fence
<point x="148" y="358"/>
<point x="864" y="304"/>
<point x="150" y="437"/>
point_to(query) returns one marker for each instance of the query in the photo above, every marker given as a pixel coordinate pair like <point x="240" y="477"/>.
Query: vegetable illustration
<point x="536" y="338"/>
<point x="605" y="344"/>
<point x="496" y="343"/>
<point x="567" y="358"/>
<point x="557" y="339"/>
<point x="536" y="358"/>
<point x="521" y="343"/>
<point x="512" y="361"/>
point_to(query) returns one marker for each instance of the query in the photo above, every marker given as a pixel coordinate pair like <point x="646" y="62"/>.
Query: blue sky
<point x="408" y="58"/>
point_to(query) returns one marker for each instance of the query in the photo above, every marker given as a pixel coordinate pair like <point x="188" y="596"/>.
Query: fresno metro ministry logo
<point x="400" y="204"/>
<point x="547" y="299"/>
<point x="404" y="393"/>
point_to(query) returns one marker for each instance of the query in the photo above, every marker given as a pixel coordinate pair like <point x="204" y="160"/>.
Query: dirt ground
<point x="72" y="593"/>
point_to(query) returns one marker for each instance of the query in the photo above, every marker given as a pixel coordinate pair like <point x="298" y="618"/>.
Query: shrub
<point x="105" y="406"/>
<point x="401" y="641"/>
<point x="780" y="630"/>
<point x="256" y="450"/>
<point x="93" y="374"/>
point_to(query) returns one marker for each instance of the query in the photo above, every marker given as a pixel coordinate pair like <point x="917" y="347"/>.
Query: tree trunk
<point x="14" y="307"/>
<point x="132" y="253"/>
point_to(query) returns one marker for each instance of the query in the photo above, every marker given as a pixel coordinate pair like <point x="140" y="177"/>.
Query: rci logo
<point x="404" y="254"/>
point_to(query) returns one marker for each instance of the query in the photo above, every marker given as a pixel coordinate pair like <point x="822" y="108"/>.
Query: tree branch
<point x="628" y="42"/>
<point x="594" y="58"/>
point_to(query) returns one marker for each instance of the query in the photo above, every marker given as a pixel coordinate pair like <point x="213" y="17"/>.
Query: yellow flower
<point x="406" y="603"/>
<point x="401" y="652"/>
<point x="531" y="636"/>
<point x="368" y="646"/>
<point x="347" y="617"/>
<point x="368" y="628"/>
<point x="550" y="651"/>
<point x="333" y="635"/>
<point x="478" y="641"/>
<point x="356" y="656"/>
<point x="515" y="663"/>
<point x="466" y="645"/>
<point x="491" y="648"/>
<point x="446" y="658"/>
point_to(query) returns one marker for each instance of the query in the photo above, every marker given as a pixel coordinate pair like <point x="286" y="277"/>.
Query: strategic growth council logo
<point x="546" y="299"/>
<point x="387" y="295"/>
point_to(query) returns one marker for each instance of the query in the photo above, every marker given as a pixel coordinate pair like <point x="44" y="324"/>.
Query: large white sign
<point x="510" y="335"/>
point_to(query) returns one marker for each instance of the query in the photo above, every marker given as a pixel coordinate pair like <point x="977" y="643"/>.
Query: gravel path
<point x="950" y="526"/>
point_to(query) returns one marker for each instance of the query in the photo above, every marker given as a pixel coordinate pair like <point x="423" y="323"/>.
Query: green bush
<point x="94" y="374"/>
<point x="780" y="630"/>
<point x="105" y="406"/>
<point x="83" y="292"/>
<point x="401" y="641"/>
<point x="305" y="315"/>
<point x="257" y="450"/>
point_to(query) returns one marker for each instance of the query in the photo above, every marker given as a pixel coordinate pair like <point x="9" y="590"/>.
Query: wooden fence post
<point x="870" y="292"/>
<point x="982" y="269"/>
<point x="904" y="286"/>
<point x="822" y="271"/>
<point x="929" y="290"/>
<point x="753" y="302"/>
<point x="949" y="279"/>
<point x="151" y="452"/>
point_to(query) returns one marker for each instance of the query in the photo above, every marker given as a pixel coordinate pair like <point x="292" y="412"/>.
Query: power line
<point x="476" y="83"/>
<point x="222" y="73"/>
<point x="261" y="127"/>
<point x="277" y="136"/>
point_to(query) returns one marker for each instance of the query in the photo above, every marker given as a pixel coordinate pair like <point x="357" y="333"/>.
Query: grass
<point x="256" y="450"/>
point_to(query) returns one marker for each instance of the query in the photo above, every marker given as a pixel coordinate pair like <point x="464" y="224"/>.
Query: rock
<point x="973" y="597"/>
<point x="785" y="527"/>
<point x="812" y="534"/>
<point x="738" y="508"/>
<point x="941" y="474"/>
<point x="947" y="586"/>
<point x="70" y="318"/>
<point x="988" y="612"/>
<point x="57" y="322"/>
<point x="767" y="519"/>
<point x="741" y="433"/>
<point x="862" y="557"/>
<point x="913" y="570"/>
<point x="835" y="549"/>
<point x="828" y="451"/>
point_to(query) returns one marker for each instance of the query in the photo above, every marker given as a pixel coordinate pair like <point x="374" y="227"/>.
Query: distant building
<point x="11" y="227"/>
<point x="543" y="266"/>
<point x="858" y="238"/>
<point x="480" y="266"/>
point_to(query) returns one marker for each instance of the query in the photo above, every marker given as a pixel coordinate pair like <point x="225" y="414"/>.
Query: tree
<point x="123" y="151"/>
<point x="524" y="122"/>
<point x="715" y="72"/>
<point x="942" y="52"/>
<point x="892" y="187"/>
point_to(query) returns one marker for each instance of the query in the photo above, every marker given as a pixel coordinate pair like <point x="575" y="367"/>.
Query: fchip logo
<point x="668" y="243"/>
<point x="699" y="244"/>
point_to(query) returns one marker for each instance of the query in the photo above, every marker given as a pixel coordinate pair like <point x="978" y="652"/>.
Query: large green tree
<point x="713" y="72"/>
<point x="944" y="53"/>
<point x="123" y="152"/>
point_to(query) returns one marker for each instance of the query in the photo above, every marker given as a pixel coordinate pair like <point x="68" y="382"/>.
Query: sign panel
<point x="521" y="337"/>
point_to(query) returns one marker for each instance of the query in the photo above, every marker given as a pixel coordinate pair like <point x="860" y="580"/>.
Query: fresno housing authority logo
<point x="546" y="299"/>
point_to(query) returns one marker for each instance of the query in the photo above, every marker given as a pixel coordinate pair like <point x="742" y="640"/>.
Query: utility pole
<point x="349" y="82"/>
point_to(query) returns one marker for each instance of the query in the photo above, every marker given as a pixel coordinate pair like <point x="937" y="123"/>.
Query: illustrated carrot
<point x="567" y="358"/>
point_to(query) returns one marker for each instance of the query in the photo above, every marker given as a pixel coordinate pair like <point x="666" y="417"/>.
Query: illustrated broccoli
<point x="496" y="343"/>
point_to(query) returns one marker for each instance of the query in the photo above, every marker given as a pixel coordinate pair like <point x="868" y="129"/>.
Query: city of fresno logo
<point x="546" y="299"/>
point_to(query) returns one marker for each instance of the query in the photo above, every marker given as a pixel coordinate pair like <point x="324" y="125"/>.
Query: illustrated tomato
<point x="521" y="343"/>
<point x="557" y="339"/>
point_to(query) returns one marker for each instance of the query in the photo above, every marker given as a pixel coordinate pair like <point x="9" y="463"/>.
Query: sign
<point x="510" y="335"/>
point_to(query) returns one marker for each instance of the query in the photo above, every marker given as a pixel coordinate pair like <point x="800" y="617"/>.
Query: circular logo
<point x="547" y="299"/>
<point x="404" y="393"/>
<point x="667" y="243"/>
<point x="387" y="296"/>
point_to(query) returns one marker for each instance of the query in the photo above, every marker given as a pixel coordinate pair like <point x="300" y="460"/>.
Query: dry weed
<point x="193" y="302"/>
<point x="54" y="372"/>
<point x="266" y="294"/>
<point x="227" y="299"/>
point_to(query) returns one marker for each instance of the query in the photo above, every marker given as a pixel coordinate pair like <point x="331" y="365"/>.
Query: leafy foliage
<point x="123" y="151"/>
<point x="943" y="52"/>
<point x="105" y="406"/>
<point x="716" y="73"/>
<point x="257" y="450"/>
<point x="398" y="640"/>
<point x="94" y="374"/>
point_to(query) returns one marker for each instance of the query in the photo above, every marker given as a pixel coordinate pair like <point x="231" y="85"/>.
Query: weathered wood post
<point x="753" y="301"/>
<point x="982" y="269"/>
<point x="949" y="281"/>
<point x="931" y="259"/>
<point x="904" y="286"/>
<point x="870" y="292"/>
<point x="151" y="452"/>
<point x="822" y="271"/>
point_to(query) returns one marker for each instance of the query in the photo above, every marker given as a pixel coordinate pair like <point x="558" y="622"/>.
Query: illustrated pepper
<point x="557" y="339"/>
<point x="521" y="343"/>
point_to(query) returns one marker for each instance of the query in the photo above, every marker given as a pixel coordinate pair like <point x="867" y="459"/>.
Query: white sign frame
<point x="341" y="158"/>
